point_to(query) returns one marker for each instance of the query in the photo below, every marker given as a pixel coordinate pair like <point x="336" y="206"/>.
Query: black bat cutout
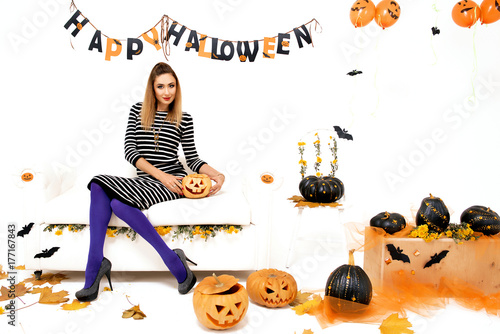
<point x="436" y="258"/>
<point x="47" y="252"/>
<point x="25" y="230"/>
<point x="397" y="253"/>
<point x="342" y="133"/>
<point x="353" y="73"/>
<point x="435" y="31"/>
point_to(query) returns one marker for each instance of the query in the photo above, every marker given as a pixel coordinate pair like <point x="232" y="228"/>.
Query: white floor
<point x="169" y="312"/>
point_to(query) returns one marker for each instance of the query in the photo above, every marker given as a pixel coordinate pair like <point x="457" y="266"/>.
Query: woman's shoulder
<point x="186" y="117"/>
<point x="136" y="109"/>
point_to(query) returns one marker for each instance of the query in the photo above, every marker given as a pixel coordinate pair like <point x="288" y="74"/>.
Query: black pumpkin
<point x="321" y="189"/>
<point x="390" y="222"/>
<point x="434" y="213"/>
<point x="481" y="219"/>
<point x="349" y="282"/>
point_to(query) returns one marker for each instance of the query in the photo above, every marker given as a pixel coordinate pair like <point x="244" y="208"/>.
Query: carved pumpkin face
<point x="387" y="13"/>
<point x="271" y="288"/>
<point x="196" y="185"/>
<point x="220" y="302"/>
<point x="465" y="13"/>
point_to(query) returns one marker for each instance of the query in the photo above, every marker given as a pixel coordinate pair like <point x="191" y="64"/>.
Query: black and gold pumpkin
<point x="434" y="213"/>
<point x="321" y="189"/>
<point x="350" y="283"/>
<point x="481" y="219"/>
<point x="389" y="222"/>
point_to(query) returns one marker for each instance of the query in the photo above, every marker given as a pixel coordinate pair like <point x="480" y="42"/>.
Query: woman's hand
<point x="219" y="180"/>
<point x="172" y="182"/>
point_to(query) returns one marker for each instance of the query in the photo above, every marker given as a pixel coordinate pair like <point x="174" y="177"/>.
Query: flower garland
<point x="317" y="150"/>
<point x="459" y="233"/>
<point x="185" y="232"/>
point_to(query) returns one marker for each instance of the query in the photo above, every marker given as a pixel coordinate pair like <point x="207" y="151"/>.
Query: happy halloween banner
<point x="173" y="32"/>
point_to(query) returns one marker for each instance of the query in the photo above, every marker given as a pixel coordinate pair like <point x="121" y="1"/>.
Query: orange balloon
<point x="465" y="13"/>
<point x="387" y="13"/>
<point x="490" y="11"/>
<point x="362" y="13"/>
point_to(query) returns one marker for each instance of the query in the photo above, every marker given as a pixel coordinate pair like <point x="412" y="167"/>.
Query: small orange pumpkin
<point x="220" y="302"/>
<point x="196" y="185"/>
<point x="271" y="288"/>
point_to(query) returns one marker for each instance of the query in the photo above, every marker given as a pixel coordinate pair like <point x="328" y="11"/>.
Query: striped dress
<point x="144" y="190"/>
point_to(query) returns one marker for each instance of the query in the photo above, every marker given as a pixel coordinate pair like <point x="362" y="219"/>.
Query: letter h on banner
<point x="74" y="20"/>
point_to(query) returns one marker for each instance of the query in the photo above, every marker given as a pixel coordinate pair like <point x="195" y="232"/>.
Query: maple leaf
<point x="23" y="267"/>
<point x="19" y="290"/>
<point x="50" y="278"/>
<point x="393" y="324"/>
<point x="301" y="298"/>
<point x="134" y="312"/>
<point x="307" y="331"/>
<point x="307" y="306"/>
<point x="49" y="297"/>
<point x="75" y="305"/>
<point x="3" y="274"/>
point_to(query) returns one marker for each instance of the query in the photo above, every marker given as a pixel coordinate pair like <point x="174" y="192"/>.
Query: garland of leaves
<point x="183" y="232"/>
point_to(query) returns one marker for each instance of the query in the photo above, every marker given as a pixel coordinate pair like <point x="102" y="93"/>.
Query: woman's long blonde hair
<point x="150" y="104"/>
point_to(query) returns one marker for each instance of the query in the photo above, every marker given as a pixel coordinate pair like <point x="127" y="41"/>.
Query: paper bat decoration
<point x="25" y="230"/>
<point x="397" y="254"/>
<point x="47" y="252"/>
<point x="342" y="133"/>
<point x="436" y="258"/>
<point x="435" y="31"/>
<point x="353" y="73"/>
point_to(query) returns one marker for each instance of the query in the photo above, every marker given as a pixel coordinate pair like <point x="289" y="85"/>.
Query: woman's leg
<point x="138" y="221"/>
<point x="100" y="214"/>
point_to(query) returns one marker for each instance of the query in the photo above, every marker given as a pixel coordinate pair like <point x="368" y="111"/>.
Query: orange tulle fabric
<point x="406" y="293"/>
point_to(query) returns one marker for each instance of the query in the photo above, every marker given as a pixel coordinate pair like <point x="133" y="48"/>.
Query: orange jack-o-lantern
<point x="27" y="177"/>
<point x="465" y="13"/>
<point x="387" y="13"/>
<point x="362" y="13"/>
<point x="271" y="288"/>
<point x="490" y="11"/>
<point x="267" y="178"/>
<point x="196" y="185"/>
<point x="220" y="302"/>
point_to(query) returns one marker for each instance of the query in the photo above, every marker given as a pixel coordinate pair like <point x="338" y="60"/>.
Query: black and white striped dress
<point x="144" y="190"/>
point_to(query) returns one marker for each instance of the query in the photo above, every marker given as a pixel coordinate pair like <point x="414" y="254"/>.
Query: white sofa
<point x="236" y="204"/>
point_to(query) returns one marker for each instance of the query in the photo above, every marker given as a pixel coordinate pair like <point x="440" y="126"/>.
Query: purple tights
<point x="101" y="208"/>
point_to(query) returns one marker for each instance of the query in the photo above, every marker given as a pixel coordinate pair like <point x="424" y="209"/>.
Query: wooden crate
<point x="475" y="262"/>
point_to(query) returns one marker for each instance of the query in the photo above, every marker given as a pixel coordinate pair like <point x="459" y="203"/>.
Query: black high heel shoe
<point x="190" y="280"/>
<point x="90" y="294"/>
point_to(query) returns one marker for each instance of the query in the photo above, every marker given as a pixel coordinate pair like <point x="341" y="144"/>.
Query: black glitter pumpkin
<point x="481" y="219"/>
<point x="434" y="213"/>
<point x="390" y="222"/>
<point x="321" y="189"/>
<point x="349" y="282"/>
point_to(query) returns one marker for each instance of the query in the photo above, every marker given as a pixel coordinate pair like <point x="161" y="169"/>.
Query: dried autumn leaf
<point x="22" y="267"/>
<point x="307" y="306"/>
<point x="75" y="305"/>
<point x="307" y="331"/>
<point x="107" y="289"/>
<point x="301" y="298"/>
<point x="50" y="278"/>
<point x="49" y="297"/>
<point x="301" y="202"/>
<point x="20" y="290"/>
<point x="3" y="274"/>
<point x="134" y="312"/>
<point x="393" y="324"/>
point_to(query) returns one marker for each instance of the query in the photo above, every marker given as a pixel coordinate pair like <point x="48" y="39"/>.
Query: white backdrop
<point x="423" y="114"/>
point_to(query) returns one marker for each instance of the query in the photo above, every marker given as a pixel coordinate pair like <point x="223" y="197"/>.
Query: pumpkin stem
<point x="219" y="283"/>
<point x="386" y="215"/>
<point x="430" y="195"/>
<point x="351" y="257"/>
<point x="488" y="210"/>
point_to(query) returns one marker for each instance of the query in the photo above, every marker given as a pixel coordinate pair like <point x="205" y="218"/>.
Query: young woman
<point x="155" y="129"/>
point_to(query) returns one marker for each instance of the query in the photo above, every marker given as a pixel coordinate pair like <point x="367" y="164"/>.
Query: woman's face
<point x="165" y="88"/>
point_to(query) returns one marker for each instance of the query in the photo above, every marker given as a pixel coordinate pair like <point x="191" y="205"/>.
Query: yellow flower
<point x="449" y="233"/>
<point x="318" y="174"/>
<point x="316" y="134"/>
<point x="110" y="233"/>
<point x="203" y="236"/>
<point x="58" y="232"/>
<point x="316" y="142"/>
<point x="301" y="143"/>
<point x="2" y="310"/>
<point x="334" y="161"/>
<point x="303" y="162"/>
<point x="318" y="159"/>
<point x="70" y="227"/>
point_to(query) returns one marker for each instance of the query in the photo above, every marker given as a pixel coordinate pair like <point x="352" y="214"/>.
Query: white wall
<point x="402" y="111"/>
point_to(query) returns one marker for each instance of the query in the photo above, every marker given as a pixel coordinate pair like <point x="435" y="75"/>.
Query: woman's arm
<point x="172" y="182"/>
<point x="214" y="175"/>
